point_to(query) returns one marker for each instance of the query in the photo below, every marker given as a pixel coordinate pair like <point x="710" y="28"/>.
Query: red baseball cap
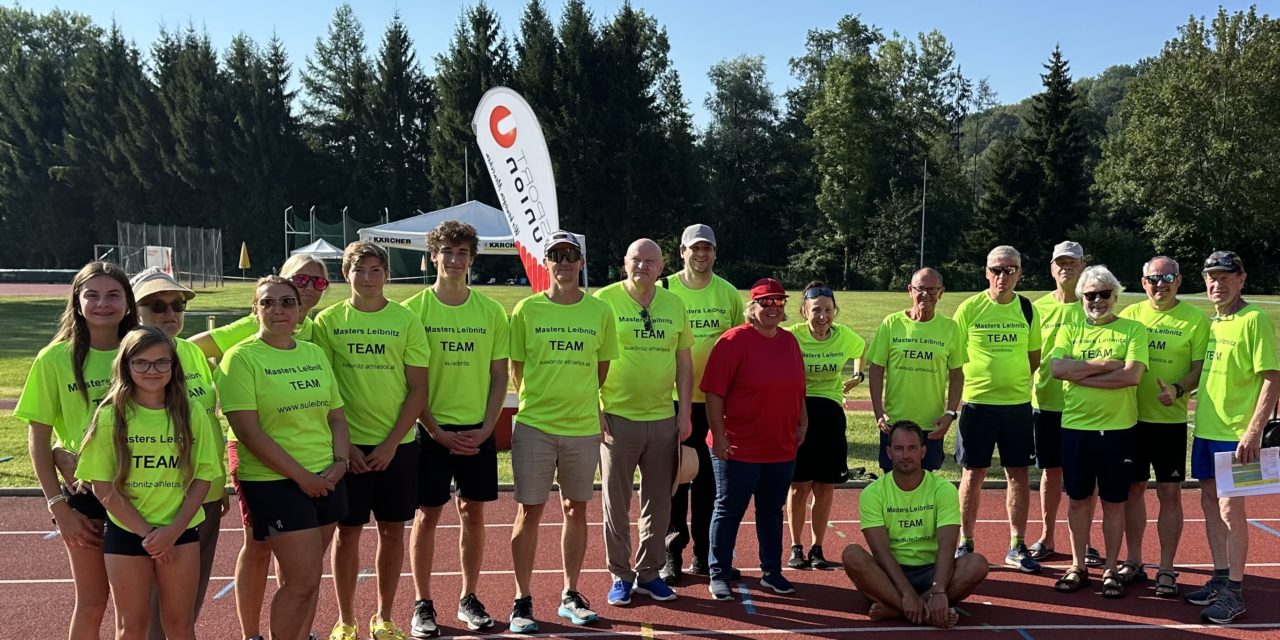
<point x="767" y="288"/>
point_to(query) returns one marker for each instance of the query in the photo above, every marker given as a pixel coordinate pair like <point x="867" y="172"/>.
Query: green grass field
<point x="26" y="324"/>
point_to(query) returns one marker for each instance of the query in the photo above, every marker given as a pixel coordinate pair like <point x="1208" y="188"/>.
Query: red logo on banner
<point x="504" y="140"/>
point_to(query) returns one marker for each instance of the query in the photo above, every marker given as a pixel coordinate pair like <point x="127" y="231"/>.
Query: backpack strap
<point x="665" y="284"/>
<point x="1027" y="311"/>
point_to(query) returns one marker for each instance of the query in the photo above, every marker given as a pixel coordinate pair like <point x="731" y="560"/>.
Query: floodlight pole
<point x="287" y="228"/>
<point x="924" y="194"/>
<point x="466" y="167"/>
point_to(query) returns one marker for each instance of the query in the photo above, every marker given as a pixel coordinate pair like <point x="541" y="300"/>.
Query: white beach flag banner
<point x="515" y="153"/>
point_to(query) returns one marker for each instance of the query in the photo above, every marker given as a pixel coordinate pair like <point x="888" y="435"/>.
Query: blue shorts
<point x="1202" y="456"/>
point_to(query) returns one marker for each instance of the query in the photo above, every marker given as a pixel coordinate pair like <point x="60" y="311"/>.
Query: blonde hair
<point x="358" y="250"/>
<point x="300" y="261"/>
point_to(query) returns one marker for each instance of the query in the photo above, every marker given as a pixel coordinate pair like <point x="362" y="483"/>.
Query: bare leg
<point x="346" y="570"/>
<point x="470" y="543"/>
<point x="1017" y="500"/>
<point x="177" y="582"/>
<point x="299" y="561"/>
<point x="1050" y="501"/>
<point x="132" y="579"/>
<point x="970" y="500"/>
<point x="1215" y="528"/>
<point x="524" y="545"/>
<point x="1169" y="523"/>
<point x="422" y="542"/>
<point x="251" y="583"/>
<point x="823" y="494"/>
<point x="1079" y="522"/>
<point x="870" y="579"/>
<point x="1135" y="520"/>
<point x="1237" y="536"/>
<point x="573" y="541"/>
<point x="389" y="559"/>
<point x="89" y="573"/>
<point x="1113" y="522"/>
<point x="797" y="504"/>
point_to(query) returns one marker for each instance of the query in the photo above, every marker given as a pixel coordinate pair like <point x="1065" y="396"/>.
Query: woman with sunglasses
<point x="64" y="386"/>
<point x="820" y="460"/>
<point x="1101" y="363"/>
<point x="755" y="388"/>
<point x="282" y="401"/>
<point x="162" y="303"/>
<point x="151" y="455"/>
<point x="310" y="276"/>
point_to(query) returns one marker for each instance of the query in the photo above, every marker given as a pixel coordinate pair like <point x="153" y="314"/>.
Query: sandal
<point x="1039" y="551"/>
<point x="1131" y="572"/>
<point x="1112" y="585"/>
<point x="1092" y="558"/>
<point x="1167" y="583"/>
<point x="1075" y="579"/>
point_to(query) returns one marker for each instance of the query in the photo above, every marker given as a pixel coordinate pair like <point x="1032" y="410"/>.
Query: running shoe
<point x="385" y="630"/>
<point x="671" y="572"/>
<point x="620" y="593"/>
<point x="344" y="632"/>
<point x="818" y="561"/>
<point x="472" y="612"/>
<point x="777" y="582"/>
<point x="656" y="589"/>
<point x="521" y="618"/>
<point x="720" y="589"/>
<point x="1228" y="606"/>
<point x="1020" y="558"/>
<point x="1207" y="594"/>
<point x="964" y="549"/>
<point x="576" y="609"/>
<point x="423" y="624"/>
<point x="797" y="561"/>
<point x="701" y="568"/>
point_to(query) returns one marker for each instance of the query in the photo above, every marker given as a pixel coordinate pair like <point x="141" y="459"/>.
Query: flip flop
<point x="1039" y="551"/>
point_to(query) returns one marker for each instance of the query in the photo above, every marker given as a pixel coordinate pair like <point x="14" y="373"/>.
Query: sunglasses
<point x="1097" y="295"/>
<point x="567" y="254"/>
<point x="1002" y="271"/>
<point x="771" y="302"/>
<point x="160" y="366"/>
<point x="1228" y="262"/>
<point x="301" y="281"/>
<point x="1166" y="278"/>
<point x="287" y="302"/>
<point x="818" y="292"/>
<point x="158" y="306"/>
<point x="648" y="319"/>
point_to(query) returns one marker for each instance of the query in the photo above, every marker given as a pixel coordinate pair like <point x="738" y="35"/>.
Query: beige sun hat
<point x="153" y="280"/>
<point x="686" y="466"/>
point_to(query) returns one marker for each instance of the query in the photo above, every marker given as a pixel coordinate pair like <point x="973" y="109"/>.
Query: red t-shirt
<point x="762" y="382"/>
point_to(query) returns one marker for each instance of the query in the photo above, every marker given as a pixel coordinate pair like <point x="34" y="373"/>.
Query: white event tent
<point x="320" y="249"/>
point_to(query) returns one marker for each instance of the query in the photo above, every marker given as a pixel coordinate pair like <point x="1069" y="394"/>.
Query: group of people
<point x="387" y="410"/>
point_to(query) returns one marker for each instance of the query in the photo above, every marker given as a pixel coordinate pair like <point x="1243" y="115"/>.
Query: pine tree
<point x="401" y="116"/>
<point x="575" y="134"/>
<point x="1059" y="142"/>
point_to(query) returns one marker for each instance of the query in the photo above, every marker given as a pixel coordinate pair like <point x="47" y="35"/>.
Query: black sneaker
<point x="797" y="561"/>
<point x="424" y="620"/>
<point x="671" y="571"/>
<point x="471" y="611"/>
<point x="521" y="618"/>
<point x="699" y="567"/>
<point x="818" y="561"/>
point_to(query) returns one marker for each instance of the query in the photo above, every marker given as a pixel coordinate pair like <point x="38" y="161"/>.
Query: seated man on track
<point x="911" y="520"/>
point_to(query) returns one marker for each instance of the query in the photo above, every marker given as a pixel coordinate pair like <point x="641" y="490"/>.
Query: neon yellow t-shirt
<point x="561" y="346"/>
<point x="998" y="340"/>
<point x="154" y="484"/>
<point x="200" y="393"/>
<point x="911" y="518"/>
<point x="1090" y="408"/>
<point x="369" y="353"/>
<point x="293" y="391"/>
<point x="636" y="388"/>
<point x="51" y="395"/>
<point x="824" y="359"/>
<point x="230" y="335"/>
<point x="465" y="340"/>
<point x="712" y="310"/>
<point x="1241" y="347"/>
<point x="1175" y="339"/>
<point x="917" y="358"/>
<point x="1053" y="316"/>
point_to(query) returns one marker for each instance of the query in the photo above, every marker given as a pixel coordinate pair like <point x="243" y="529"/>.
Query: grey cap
<point x="1069" y="249"/>
<point x="563" y="237"/>
<point x="697" y="233"/>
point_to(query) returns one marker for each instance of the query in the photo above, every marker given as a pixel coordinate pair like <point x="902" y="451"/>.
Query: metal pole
<point x="287" y="228"/>
<point x="466" y="166"/>
<point x="344" y="227"/>
<point x="924" y="194"/>
<point x="311" y="233"/>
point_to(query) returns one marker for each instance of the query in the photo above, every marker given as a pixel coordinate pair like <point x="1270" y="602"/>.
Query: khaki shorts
<point x="537" y="457"/>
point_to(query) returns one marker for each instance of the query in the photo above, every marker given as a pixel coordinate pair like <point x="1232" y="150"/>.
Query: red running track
<point x="36" y="591"/>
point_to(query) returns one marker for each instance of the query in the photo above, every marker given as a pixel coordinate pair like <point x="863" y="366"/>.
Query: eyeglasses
<point x="301" y="280"/>
<point x="287" y="302"/>
<point x="142" y="366"/>
<point x="1003" y="271"/>
<point x="158" y="306"/>
<point x="818" y="292"/>
<point x="1166" y="278"/>
<point x="567" y="254"/>
<point x="771" y="302"/>
<point x="648" y="319"/>
<point x="933" y="291"/>
<point x="1097" y="295"/>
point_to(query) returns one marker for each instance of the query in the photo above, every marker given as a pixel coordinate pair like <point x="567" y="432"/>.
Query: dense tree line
<point x="1170" y="154"/>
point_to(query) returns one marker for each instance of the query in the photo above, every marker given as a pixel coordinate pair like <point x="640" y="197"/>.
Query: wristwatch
<point x="1180" y="391"/>
<point x="954" y="414"/>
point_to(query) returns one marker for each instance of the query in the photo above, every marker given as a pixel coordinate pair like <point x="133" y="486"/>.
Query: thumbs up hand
<point x="1167" y="394"/>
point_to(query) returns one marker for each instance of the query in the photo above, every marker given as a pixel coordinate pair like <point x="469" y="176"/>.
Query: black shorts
<point x="921" y="577"/>
<point x="1162" y="447"/>
<point x="983" y="427"/>
<point x="1098" y="460"/>
<point x="391" y="495"/>
<point x="88" y="505"/>
<point x="823" y="456"/>
<point x="280" y="506"/>
<point x="122" y="542"/>
<point x="438" y="470"/>
<point x="933" y="453"/>
<point x="1048" y="430"/>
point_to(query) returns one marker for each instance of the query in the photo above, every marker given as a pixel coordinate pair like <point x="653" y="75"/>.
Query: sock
<point x="1235" y="585"/>
<point x="1221" y="574"/>
<point x="1014" y="541"/>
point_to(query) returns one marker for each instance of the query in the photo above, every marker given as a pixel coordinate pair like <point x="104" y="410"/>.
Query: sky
<point x="1005" y="41"/>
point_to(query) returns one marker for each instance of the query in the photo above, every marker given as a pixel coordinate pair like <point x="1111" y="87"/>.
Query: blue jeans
<point x="736" y="483"/>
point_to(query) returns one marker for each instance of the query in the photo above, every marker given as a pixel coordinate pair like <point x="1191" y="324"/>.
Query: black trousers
<point x="699" y="494"/>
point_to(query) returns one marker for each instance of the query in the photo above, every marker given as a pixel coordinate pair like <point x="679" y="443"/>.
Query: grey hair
<point x="1177" y="269"/>
<point x="1098" y="273"/>
<point x="1004" y="251"/>
<point x="753" y="307"/>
